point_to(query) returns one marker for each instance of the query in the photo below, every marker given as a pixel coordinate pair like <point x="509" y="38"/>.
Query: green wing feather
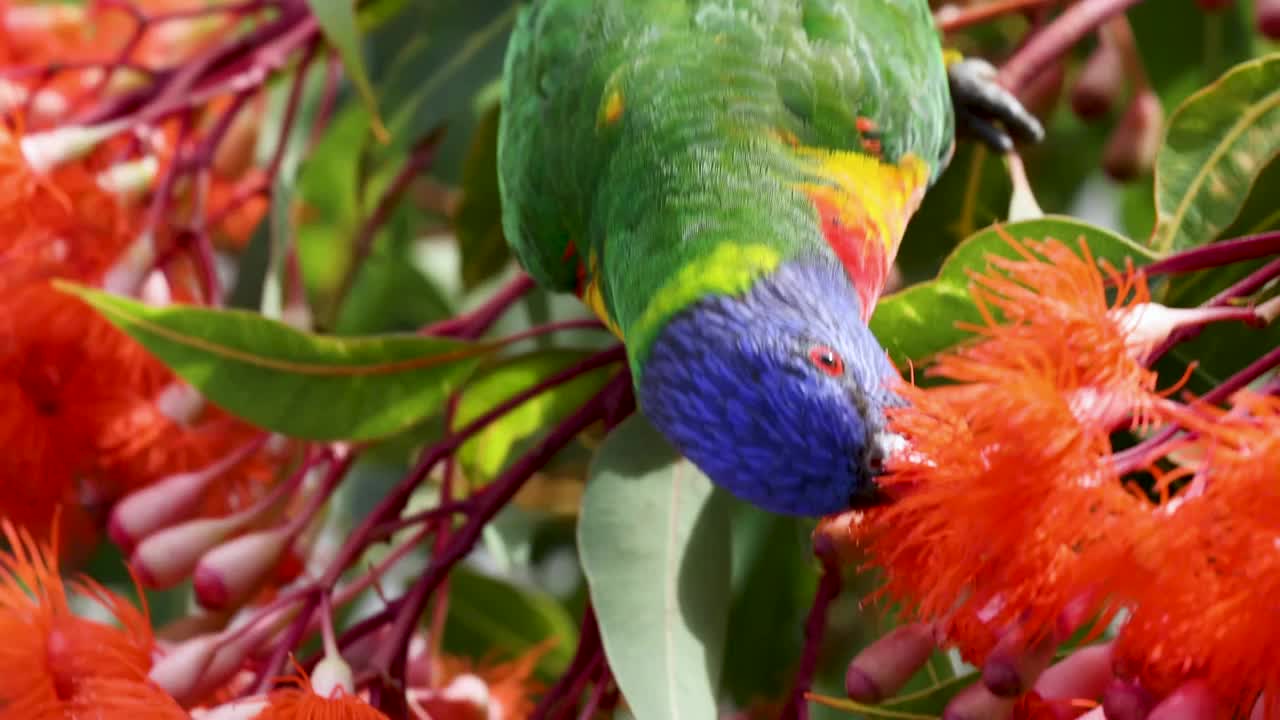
<point x="653" y="142"/>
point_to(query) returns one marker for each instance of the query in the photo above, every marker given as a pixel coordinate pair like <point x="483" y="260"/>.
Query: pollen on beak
<point x="882" y="446"/>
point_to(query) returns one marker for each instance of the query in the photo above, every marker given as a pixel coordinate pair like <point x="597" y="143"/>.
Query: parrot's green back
<point x="654" y="151"/>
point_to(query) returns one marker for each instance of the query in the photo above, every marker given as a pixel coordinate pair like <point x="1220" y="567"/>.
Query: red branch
<point x="815" y="625"/>
<point x="1057" y="38"/>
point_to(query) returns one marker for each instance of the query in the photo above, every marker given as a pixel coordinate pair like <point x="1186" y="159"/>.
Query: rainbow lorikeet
<point x="725" y="183"/>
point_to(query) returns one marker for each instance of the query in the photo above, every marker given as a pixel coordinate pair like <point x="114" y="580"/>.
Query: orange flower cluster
<point x="86" y="416"/>
<point x="1014" y="511"/>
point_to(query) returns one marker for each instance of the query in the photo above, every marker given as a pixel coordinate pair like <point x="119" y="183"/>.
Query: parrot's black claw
<point x="979" y="101"/>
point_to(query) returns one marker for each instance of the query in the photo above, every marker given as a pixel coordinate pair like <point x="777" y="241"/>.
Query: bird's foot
<point x="980" y="103"/>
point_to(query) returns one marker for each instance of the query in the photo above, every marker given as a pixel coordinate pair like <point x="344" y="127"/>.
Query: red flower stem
<point x="1141" y="454"/>
<point x="1216" y="254"/>
<point x="440" y="611"/>
<point x="425" y="517"/>
<point x="1056" y="39"/>
<point x="419" y="159"/>
<point x="984" y="13"/>
<point x="589" y="649"/>
<point x="175" y="89"/>
<point x="829" y="585"/>
<point x="473" y="324"/>
<point x="292" y="104"/>
<point x="391" y="658"/>
<point x="395" y="500"/>
<point x="603" y="681"/>
<point x="1250" y="284"/>
<point x="328" y="101"/>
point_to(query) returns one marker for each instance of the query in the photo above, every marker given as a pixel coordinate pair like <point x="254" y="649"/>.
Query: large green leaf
<point x="655" y="547"/>
<point x="1218" y="143"/>
<point x="484" y="455"/>
<point x="478" y="223"/>
<point x="487" y="614"/>
<point x="774" y="577"/>
<point x="338" y="20"/>
<point x="920" y="321"/>
<point x="295" y="383"/>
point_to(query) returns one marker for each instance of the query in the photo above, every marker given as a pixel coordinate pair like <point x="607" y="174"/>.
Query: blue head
<point x="778" y="394"/>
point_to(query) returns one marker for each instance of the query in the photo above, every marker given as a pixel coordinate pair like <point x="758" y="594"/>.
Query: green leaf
<point x="774" y="581"/>
<point x="920" y="321"/>
<point x="1217" y="144"/>
<point x="478" y="223"/>
<point x="487" y="614"/>
<point x="425" y="80"/>
<point x="484" y="456"/>
<point x="295" y="383"/>
<point x="337" y="19"/>
<point x="655" y="547"/>
<point x="973" y="193"/>
<point x="390" y="293"/>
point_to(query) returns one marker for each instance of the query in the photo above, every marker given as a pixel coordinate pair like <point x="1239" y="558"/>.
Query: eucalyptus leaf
<point x="337" y="19"/>
<point x="654" y="540"/>
<point x="1218" y="143"/>
<point x="483" y="456"/>
<point x="298" y="384"/>
<point x="487" y="613"/>
<point x="920" y="321"/>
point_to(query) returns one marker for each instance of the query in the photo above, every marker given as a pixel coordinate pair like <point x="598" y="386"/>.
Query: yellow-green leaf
<point x="337" y="19"/>
<point x="296" y="383"/>
<point x="483" y="456"/>
<point x="1217" y="144"/>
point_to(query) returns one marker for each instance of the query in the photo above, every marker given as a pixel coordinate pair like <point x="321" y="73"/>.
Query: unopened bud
<point x="180" y="670"/>
<point x="130" y="179"/>
<point x="168" y="556"/>
<point x="50" y="104"/>
<point x="236" y="151"/>
<point x="228" y="574"/>
<point x="1131" y="151"/>
<point x="1042" y="92"/>
<point x="11" y="95"/>
<point x="332" y="675"/>
<point x="180" y="402"/>
<point x="245" y="709"/>
<point x="43" y="18"/>
<point x="47" y="150"/>
<point x="1146" y="324"/>
<point x="197" y="667"/>
<point x="129" y="272"/>
<point x="1267" y="13"/>
<point x="170" y="500"/>
<point x="1100" y="83"/>
<point x="880" y="671"/>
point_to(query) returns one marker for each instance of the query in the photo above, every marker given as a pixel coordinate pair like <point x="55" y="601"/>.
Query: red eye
<point x="827" y="360"/>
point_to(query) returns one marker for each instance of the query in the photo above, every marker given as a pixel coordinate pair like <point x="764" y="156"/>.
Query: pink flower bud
<point x="130" y="179"/>
<point x="51" y="148"/>
<point x="1131" y="151"/>
<point x="199" y="666"/>
<point x="332" y="674"/>
<point x="228" y="574"/>
<point x="170" y="500"/>
<point x="1146" y="324"/>
<point x="180" y="670"/>
<point x="1267" y="13"/>
<point x="246" y="709"/>
<point x="1100" y="82"/>
<point x="168" y="556"/>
